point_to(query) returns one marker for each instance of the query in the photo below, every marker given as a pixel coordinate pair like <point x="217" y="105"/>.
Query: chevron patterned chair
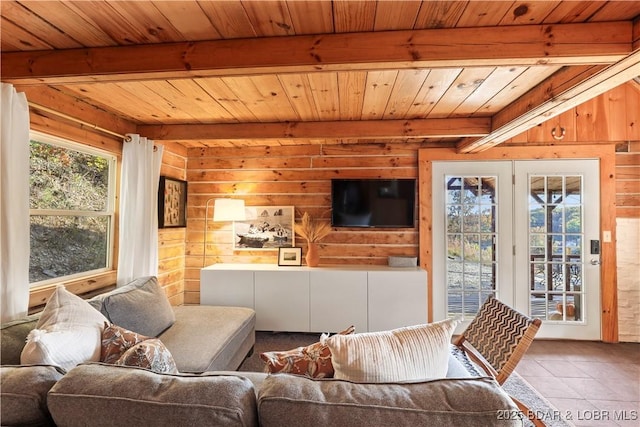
<point x="496" y="339"/>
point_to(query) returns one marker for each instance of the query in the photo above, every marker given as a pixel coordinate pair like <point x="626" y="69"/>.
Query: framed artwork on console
<point x="290" y="256"/>
<point x="172" y="203"/>
<point x="266" y="228"/>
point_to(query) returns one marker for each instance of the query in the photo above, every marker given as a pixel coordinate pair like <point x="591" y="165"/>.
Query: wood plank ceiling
<point x="240" y="73"/>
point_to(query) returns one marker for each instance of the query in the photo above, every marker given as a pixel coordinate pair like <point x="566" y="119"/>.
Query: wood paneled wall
<point x="611" y="117"/>
<point x="628" y="178"/>
<point x="172" y="241"/>
<point x="298" y="176"/>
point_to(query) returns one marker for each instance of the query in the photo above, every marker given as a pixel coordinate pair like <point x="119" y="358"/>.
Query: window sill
<point x="85" y="287"/>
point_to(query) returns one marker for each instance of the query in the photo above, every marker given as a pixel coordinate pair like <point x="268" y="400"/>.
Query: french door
<point x="524" y="231"/>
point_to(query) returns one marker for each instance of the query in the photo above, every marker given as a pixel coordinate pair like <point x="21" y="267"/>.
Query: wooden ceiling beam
<point x="366" y="129"/>
<point x="558" y="44"/>
<point x="562" y="91"/>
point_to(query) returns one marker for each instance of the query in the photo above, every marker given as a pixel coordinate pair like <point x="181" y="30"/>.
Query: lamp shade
<point x="229" y="210"/>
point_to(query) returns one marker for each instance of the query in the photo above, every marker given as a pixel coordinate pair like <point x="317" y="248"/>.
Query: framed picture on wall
<point x="172" y="203"/>
<point x="266" y="228"/>
<point x="289" y="256"/>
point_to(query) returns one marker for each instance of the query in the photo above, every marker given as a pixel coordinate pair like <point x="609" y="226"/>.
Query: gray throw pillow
<point x="141" y="306"/>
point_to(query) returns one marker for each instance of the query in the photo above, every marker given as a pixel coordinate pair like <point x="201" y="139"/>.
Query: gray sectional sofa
<point x="91" y="393"/>
<point x="96" y="394"/>
<point x="208" y="344"/>
<point x="200" y="338"/>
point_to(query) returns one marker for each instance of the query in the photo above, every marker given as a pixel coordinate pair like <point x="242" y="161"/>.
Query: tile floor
<point x="593" y="383"/>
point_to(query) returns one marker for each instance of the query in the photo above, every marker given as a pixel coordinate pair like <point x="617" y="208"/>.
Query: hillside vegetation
<point x="68" y="199"/>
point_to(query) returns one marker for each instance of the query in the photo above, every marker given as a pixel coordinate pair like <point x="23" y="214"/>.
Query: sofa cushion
<point x="210" y="338"/>
<point x="95" y="393"/>
<point x="313" y="360"/>
<point x="256" y="378"/>
<point x="23" y="393"/>
<point x="149" y="354"/>
<point x="286" y="399"/>
<point x="67" y="333"/>
<point x="141" y="306"/>
<point x="410" y="353"/>
<point x="13" y="336"/>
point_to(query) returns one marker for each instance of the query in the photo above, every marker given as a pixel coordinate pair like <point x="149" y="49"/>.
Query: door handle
<point x="595" y="262"/>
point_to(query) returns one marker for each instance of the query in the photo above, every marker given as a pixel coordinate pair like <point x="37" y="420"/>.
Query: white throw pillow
<point x="68" y="332"/>
<point x="410" y="353"/>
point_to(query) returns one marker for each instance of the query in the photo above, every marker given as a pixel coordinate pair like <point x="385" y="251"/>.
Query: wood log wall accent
<point x="298" y="176"/>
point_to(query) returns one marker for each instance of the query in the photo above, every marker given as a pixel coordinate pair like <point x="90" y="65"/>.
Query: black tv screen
<point x="373" y="202"/>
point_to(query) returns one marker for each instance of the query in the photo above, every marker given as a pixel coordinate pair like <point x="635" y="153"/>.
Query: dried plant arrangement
<point x="311" y="229"/>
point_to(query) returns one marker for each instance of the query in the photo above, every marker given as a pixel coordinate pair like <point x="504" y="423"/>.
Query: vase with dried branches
<point x="312" y="230"/>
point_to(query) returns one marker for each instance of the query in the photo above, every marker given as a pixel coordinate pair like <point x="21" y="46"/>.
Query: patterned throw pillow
<point x="150" y="354"/>
<point x="411" y="353"/>
<point x="116" y="341"/>
<point x="312" y="361"/>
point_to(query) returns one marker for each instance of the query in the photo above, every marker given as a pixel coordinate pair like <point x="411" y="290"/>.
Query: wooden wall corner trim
<point x="608" y="257"/>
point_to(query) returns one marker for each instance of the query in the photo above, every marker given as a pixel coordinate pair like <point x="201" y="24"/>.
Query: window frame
<point x="109" y="212"/>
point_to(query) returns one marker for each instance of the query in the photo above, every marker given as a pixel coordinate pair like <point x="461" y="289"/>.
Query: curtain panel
<point x="14" y="204"/>
<point x="138" y="230"/>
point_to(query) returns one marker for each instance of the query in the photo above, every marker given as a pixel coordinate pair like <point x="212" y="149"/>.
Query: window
<point x="471" y="236"/>
<point x="71" y="205"/>
<point x="556" y="208"/>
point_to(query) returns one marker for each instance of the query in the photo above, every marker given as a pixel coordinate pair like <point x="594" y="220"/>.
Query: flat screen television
<point x="373" y="202"/>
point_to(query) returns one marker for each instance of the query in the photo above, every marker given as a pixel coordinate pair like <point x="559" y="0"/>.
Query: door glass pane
<point x="471" y="206"/>
<point x="556" y="248"/>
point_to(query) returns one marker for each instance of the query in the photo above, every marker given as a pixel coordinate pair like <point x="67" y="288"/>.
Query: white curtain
<point x="14" y="204"/>
<point x="138" y="234"/>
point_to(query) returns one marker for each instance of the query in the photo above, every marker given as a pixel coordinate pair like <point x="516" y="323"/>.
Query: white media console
<point x="320" y="299"/>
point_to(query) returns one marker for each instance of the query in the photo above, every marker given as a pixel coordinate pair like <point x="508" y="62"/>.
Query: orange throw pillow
<point x="312" y="361"/>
